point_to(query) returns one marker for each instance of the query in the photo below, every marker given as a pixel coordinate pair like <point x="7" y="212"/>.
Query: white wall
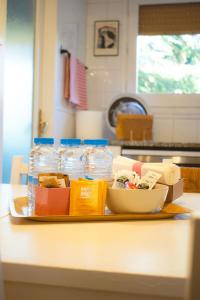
<point x="45" y="64"/>
<point x="62" y="24"/>
<point x="71" y="36"/>
<point x="106" y="75"/>
<point x="176" y="117"/>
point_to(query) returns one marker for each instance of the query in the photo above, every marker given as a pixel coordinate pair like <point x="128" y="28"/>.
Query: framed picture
<point x="106" y="38"/>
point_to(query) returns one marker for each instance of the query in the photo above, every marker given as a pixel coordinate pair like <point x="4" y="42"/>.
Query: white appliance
<point x="122" y="104"/>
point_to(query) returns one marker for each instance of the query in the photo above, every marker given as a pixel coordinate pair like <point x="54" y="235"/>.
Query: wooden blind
<point x="166" y="19"/>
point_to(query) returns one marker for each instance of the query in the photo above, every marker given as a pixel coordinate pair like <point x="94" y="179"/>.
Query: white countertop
<point x="141" y="257"/>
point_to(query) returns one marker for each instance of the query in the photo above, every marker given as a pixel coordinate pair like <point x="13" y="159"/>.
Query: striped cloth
<point x="78" y="92"/>
<point x="81" y="86"/>
<point x="73" y="82"/>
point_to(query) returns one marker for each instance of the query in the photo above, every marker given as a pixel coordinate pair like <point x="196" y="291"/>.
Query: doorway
<point x="18" y="82"/>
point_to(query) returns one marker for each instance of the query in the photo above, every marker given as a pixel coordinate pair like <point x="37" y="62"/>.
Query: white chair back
<point x="18" y="170"/>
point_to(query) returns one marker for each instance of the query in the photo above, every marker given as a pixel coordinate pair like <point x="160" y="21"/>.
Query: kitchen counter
<point x="182" y="154"/>
<point x="96" y="260"/>
<point x="156" y="145"/>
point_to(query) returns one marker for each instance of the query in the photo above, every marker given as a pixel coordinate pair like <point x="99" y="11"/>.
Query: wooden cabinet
<point x="191" y="178"/>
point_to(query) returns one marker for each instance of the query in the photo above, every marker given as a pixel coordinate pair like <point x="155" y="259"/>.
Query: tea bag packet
<point x="121" y="182"/>
<point x="131" y="186"/>
<point x="125" y="179"/>
<point x="134" y="178"/>
<point x="53" y="180"/>
<point x="87" y="197"/>
<point x="149" y="180"/>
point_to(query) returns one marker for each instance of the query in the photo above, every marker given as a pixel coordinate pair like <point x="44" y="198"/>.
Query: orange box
<point x="52" y="201"/>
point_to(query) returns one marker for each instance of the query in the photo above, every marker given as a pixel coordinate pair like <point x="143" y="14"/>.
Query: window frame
<point x="133" y="21"/>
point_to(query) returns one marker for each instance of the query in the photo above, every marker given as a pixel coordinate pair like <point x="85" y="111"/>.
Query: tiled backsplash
<point x="176" y="117"/>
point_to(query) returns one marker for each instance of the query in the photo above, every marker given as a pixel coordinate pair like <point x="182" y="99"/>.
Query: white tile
<point x="66" y="125"/>
<point x="185" y="131"/>
<point x="97" y="11"/>
<point x="109" y="97"/>
<point x="102" y="100"/>
<point x="103" y="62"/>
<point x="90" y="40"/>
<point x="95" y="100"/>
<point x="112" y="81"/>
<point x="105" y="81"/>
<point x="162" y="130"/>
<point x="95" y="80"/>
<point x="115" y="11"/>
<point x="114" y="62"/>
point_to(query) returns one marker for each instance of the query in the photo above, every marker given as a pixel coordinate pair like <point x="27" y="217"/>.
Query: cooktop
<point x="156" y="145"/>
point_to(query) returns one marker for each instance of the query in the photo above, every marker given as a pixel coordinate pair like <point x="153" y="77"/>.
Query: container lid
<point x="96" y="142"/>
<point x="70" y="142"/>
<point x="44" y="141"/>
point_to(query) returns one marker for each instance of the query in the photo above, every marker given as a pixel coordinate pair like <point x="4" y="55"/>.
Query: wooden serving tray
<point x="19" y="209"/>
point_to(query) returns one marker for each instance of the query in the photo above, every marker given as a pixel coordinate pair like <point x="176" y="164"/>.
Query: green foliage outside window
<point x="169" y="64"/>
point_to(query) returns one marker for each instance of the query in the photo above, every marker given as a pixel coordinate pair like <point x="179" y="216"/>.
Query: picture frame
<point x="106" y="38"/>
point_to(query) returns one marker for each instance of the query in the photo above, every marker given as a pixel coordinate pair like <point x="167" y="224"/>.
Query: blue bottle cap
<point x="89" y="142"/>
<point x="44" y="141"/>
<point x="96" y="142"/>
<point x="70" y="142"/>
<point x="101" y="142"/>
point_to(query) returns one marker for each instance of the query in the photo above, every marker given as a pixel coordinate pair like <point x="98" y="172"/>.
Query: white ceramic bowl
<point x="137" y="201"/>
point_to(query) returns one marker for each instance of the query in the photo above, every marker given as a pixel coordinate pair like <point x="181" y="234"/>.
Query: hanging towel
<point x="81" y="79"/>
<point x="66" y="67"/>
<point x="73" y="81"/>
<point x="77" y="83"/>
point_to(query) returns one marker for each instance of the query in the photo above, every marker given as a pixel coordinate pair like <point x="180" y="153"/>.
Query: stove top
<point x="156" y="145"/>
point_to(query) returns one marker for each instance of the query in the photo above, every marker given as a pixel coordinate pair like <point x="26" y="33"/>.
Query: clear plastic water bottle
<point x="70" y="154"/>
<point x="97" y="160"/>
<point x="43" y="158"/>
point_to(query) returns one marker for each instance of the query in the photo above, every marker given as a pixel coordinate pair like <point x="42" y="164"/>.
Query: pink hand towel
<point x="78" y="94"/>
<point x="73" y="81"/>
<point x="81" y="79"/>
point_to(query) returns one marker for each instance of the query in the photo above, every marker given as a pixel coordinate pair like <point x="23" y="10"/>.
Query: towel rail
<point x="65" y="51"/>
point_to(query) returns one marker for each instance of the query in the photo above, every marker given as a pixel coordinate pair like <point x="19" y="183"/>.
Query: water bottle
<point x="97" y="160"/>
<point x="70" y="156"/>
<point x="43" y="158"/>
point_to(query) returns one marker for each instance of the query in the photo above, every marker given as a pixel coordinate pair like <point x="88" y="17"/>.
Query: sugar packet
<point x="149" y="180"/>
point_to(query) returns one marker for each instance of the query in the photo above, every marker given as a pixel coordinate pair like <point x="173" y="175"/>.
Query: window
<point x="168" y="48"/>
